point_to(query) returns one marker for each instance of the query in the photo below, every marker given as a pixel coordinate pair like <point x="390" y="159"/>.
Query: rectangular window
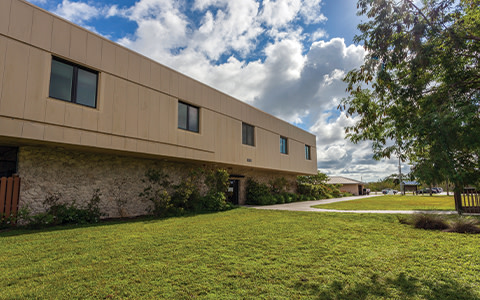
<point x="187" y="117"/>
<point x="283" y="145"/>
<point x="307" y="153"/>
<point x="248" y="134"/>
<point x="73" y="83"/>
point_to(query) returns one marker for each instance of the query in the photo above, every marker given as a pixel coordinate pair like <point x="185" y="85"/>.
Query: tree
<point x="418" y="91"/>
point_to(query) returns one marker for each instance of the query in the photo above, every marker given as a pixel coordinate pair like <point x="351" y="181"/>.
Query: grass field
<point x="241" y="254"/>
<point x="395" y="202"/>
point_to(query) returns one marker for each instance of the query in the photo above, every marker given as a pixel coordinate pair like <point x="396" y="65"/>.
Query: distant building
<point x="79" y="112"/>
<point x="351" y="186"/>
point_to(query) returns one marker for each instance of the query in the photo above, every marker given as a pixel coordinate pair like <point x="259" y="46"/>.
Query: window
<point x="187" y="117"/>
<point x="283" y="145"/>
<point x="307" y="153"/>
<point x="73" y="83"/>
<point x="248" y="134"/>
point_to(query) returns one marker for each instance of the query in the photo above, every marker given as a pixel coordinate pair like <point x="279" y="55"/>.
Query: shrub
<point x="429" y="221"/>
<point x="214" y="201"/>
<point x="278" y="185"/>
<point x="464" y="225"/>
<point x="256" y="192"/>
<point x="217" y="184"/>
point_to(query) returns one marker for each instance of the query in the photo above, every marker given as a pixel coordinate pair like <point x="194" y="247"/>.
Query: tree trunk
<point x="457" y="195"/>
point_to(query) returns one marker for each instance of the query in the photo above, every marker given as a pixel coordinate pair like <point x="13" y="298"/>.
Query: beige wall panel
<point x="155" y="75"/>
<point x="78" y="44"/>
<point x="183" y="86"/>
<point x="89" y="118"/>
<point x="108" y="56"/>
<point x="119" y="106"/>
<point x="21" y="25"/>
<point x="154" y="121"/>
<point x="105" y="102"/>
<point x="54" y="133"/>
<point x="72" y="136"/>
<point x="5" y="6"/>
<point x="94" y="51"/>
<point x="165" y="80"/>
<point x="10" y="127"/>
<point x="181" y="137"/>
<point x="55" y="111"/>
<point x="130" y="144"/>
<point x="152" y="147"/>
<point x="142" y="146"/>
<point x="42" y="30"/>
<point x="118" y="142"/>
<point x="61" y="37"/>
<point x="89" y="138"/>
<point x="133" y="67"/>
<point x="121" y="62"/>
<point x="73" y="115"/>
<point x="197" y="93"/>
<point x="144" y="103"/>
<point x="169" y="115"/>
<point x="33" y="130"/>
<point x="12" y="100"/>
<point x="104" y="140"/>
<point x="174" y="81"/>
<point x="3" y="53"/>
<point x="145" y="71"/>
<point x="131" y="116"/>
<point x="215" y="100"/>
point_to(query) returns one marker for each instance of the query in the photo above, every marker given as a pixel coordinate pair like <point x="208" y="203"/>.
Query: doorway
<point x="8" y="161"/>
<point x="232" y="192"/>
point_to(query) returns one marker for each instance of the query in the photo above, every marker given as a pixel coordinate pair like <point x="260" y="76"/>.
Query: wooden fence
<point x="471" y="201"/>
<point x="9" y="198"/>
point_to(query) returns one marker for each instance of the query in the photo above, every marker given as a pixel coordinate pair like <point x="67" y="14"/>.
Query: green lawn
<point x="395" y="202"/>
<point x="241" y="254"/>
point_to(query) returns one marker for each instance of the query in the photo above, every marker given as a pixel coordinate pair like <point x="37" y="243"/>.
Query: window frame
<point x="282" y="150"/>
<point x="187" y="117"/>
<point x="308" y="152"/>
<point x="246" y="136"/>
<point x="74" y="82"/>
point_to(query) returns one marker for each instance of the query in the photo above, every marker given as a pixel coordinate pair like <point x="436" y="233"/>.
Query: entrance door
<point x="232" y="194"/>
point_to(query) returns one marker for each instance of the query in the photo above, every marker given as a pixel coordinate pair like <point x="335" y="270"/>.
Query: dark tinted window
<point x="248" y="134"/>
<point x="73" y="83"/>
<point x="188" y="117"/>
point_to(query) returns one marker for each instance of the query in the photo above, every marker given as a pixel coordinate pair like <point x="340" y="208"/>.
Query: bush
<point x="429" y="221"/>
<point x="464" y="225"/>
<point x="256" y="192"/>
<point x="217" y="184"/>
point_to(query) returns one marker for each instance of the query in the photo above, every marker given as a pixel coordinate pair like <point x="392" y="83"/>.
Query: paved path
<point x="307" y="206"/>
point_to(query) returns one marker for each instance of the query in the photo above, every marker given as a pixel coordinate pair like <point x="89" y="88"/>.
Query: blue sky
<point x="286" y="57"/>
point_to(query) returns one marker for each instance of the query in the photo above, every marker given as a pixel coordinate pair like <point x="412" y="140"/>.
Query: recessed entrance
<point x="232" y="193"/>
<point x="8" y="161"/>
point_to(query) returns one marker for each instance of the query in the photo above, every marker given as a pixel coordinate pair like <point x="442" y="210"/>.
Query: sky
<point x="286" y="57"/>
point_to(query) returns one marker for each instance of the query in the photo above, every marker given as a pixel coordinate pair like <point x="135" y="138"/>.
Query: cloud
<point x="77" y="12"/>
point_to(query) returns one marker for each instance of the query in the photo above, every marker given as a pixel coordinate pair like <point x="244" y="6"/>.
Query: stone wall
<point x="75" y="176"/>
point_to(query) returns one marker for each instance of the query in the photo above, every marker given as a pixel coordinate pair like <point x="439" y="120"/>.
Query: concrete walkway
<point x="307" y="206"/>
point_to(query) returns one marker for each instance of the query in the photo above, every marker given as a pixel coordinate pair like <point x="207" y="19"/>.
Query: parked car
<point x="435" y="190"/>
<point x="427" y="191"/>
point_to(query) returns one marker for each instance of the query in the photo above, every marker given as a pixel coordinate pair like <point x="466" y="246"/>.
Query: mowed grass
<point x="395" y="202"/>
<point x="241" y="254"/>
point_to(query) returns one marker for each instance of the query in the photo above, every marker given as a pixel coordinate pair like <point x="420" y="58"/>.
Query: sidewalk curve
<point x="307" y="206"/>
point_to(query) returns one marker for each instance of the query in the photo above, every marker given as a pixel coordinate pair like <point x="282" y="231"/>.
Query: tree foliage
<point x="417" y="93"/>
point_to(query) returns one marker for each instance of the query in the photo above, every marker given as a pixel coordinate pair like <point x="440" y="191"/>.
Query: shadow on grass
<point x="22" y="230"/>
<point x="400" y="287"/>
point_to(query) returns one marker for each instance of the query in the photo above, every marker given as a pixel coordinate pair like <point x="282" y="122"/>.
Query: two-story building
<point x="79" y="112"/>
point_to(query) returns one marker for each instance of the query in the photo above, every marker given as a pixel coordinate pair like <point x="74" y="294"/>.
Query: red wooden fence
<point x="471" y="201"/>
<point x="9" y="197"/>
